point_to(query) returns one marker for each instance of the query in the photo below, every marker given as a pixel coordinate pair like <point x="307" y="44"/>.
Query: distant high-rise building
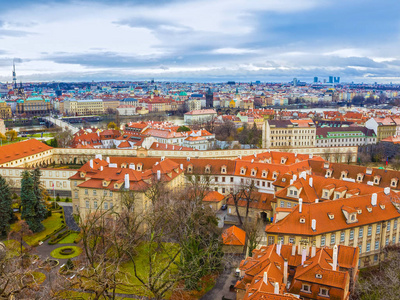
<point x="209" y="99"/>
<point x="315" y="79"/>
<point x="294" y="81"/>
<point x="330" y="79"/>
<point x="336" y="79"/>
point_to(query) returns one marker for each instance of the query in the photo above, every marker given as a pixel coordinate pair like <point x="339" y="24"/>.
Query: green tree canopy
<point x="6" y="212"/>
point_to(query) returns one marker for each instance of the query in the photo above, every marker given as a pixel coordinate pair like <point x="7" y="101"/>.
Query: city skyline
<point x="200" y="40"/>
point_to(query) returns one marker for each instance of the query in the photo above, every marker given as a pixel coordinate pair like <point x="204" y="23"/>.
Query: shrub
<point x="67" y="199"/>
<point x="78" y="239"/>
<point x="58" y="198"/>
<point x="67" y="251"/>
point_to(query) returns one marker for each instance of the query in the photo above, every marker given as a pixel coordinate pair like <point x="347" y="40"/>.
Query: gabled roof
<point x="234" y="236"/>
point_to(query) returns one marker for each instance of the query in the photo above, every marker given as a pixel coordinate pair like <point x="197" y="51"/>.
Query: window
<point x="291" y="240"/>
<point x="394" y="240"/>
<point x="86" y="192"/>
<point x="111" y="193"/>
<point x="231" y="179"/>
<point x="378" y="229"/>
<point x="95" y="204"/>
<point x="360" y="233"/>
<point x="216" y="179"/>
<point x="75" y="183"/>
<point x="223" y="179"/>
<point x="323" y="240"/>
<point x="223" y="190"/>
<point x="104" y="193"/>
<point x="351" y="234"/>
<point x="87" y="204"/>
<point x="359" y="249"/>
<point x="306" y="288"/>
<point x="333" y="238"/>
<point x="216" y="189"/>
<point x="342" y="237"/>
<point x="395" y="224"/>
<point x="105" y="205"/>
<point x="375" y="257"/>
<point x="369" y="230"/>
<point x="289" y="205"/>
<point x="323" y="292"/>
<point x="76" y="194"/>
<point x="376" y="245"/>
<point x="271" y="240"/>
<point x="387" y="241"/>
<point x="282" y="203"/>
<point x="111" y="205"/>
<point x="94" y="192"/>
<point x="368" y="247"/>
<point x="388" y="226"/>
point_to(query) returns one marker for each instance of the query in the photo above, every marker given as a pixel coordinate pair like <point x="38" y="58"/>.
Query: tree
<point x="183" y="128"/>
<point x="11" y="135"/>
<point x="63" y="137"/>
<point x="33" y="209"/>
<point x="6" y="211"/>
<point x="112" y="125"/>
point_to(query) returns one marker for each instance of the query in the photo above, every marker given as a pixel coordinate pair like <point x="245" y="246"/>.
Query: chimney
<point x="313" y="250"/>
<point x="285" y="271"/>
<point x="265" y="278"/>
<point x="294" y="177"/>
<point x="299" y="249"/>
<point x="316" y="200"/>
<point x="188" y="158"/>
<point x="295" y="154"/>
<point x="127" y="181"/>
<point x="162" y="158"/>
<point x="101" y="168"/>
<point x="314" y="224"/>
<point x="91" y="163"/>
<point x="335" y="255"/>
<point x="300" y="205"/>
<point x="291" y="181"/>
<point x="181" y="166"/>
<point x="310" y="181"/>
<point x="108" y="159"/>
<point x="310" y="156"/>
<point x="386" y="190"/>
<point x="374" y="199"/>
<point x="303" y="256"/>
<point x="276" y="288"/>
<point x="255" y="154"/>
<point x="293" y="249"/>
<point x="158" y="174"/>
<point x="278" y="248"/>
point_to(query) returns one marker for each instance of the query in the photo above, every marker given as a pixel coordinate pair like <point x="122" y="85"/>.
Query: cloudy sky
<point x="203" y="40"/>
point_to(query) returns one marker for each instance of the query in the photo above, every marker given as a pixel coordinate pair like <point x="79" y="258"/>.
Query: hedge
<point x="78" y="239"/>
<point x="54" y="232"/>
<point x="56" y="238"/>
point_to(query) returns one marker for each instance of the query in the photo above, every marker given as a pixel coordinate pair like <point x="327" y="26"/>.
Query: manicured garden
<point x="66" y="252"/>
<point x="52" y="224"/>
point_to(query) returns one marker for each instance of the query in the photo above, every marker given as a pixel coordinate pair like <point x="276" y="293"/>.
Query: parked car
<point x="224" y="207"/>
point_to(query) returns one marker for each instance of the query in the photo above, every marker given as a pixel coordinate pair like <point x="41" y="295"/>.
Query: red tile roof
<point x="22" y="149"/>
<point x="234" y="236"/>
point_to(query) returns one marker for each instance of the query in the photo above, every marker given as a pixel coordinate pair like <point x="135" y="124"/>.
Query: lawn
<point x="56" y="252"/>
<point x="142" y="265"/>
<point x="69" y="239"/>
<point x="14" y="247"/>
<point x="51" y="224"/>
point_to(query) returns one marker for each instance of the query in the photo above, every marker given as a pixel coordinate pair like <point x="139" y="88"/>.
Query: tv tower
<point x="14" y="76"/>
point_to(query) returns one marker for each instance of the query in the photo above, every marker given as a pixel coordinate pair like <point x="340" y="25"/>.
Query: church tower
<point x="209" y="99"/>
<point x="14" y="74"/>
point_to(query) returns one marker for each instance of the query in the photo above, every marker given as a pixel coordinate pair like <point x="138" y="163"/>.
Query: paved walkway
<point x="221" y="288"/>
<point x="69" y="218"/>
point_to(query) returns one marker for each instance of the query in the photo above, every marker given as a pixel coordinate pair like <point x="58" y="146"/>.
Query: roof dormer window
<point x="326" y="165"/>
<point x="331" y="216"/>
<point x="105" y="183"/>
<point x="359" y="211"/>
<point x="368" y="171"/>
<point x="82" y="174"/>
<point x="360" y="177"/>
<point x="264" y="174"/>
<point x="377" y="179"/>
<point x="223" y="169"/>
<point x="328" y="173"/>
<point x="275" y="175"/>
<point x="319" y="276"/>
<point x="253" y="172"/>
<point x="369" y="208"/>
<point x="242" y="171"/>
<point x="190" y="168"/>
<point x="382" y="206"/>
<point x="208" y="169"/>
<point x="393" y="182"/>
<point x="302" y="220"/>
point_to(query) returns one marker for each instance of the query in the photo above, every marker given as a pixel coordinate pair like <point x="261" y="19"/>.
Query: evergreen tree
<point x="6" y="211"/>
<point x="33" y="209"/>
